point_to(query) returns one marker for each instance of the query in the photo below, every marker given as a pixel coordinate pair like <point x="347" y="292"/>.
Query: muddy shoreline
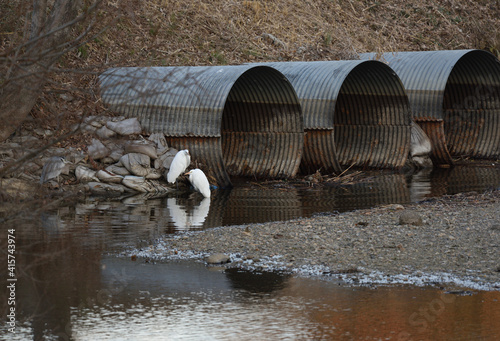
<point x="457" y="241"/>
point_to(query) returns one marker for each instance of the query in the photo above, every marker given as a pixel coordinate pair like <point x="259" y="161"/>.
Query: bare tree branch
<point x="27" y="65"/>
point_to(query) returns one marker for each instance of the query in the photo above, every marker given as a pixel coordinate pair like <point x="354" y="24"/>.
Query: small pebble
<point x="410" y="218"/>
<point x="218" y="258"/>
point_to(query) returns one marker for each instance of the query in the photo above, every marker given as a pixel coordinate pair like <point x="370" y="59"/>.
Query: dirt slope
<point x="192" y="32"/>
<point x="229" y="32"/>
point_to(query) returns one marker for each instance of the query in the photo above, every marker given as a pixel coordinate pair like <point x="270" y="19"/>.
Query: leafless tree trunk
<point x="24" y="68"/>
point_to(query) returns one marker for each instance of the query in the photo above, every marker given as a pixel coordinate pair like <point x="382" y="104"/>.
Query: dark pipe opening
<point x="471" y="106"/>
<point x="262" y="128"/>
<point x="371" y="118"/>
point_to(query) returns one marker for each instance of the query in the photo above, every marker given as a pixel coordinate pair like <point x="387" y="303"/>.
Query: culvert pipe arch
<point x="459" y="87"/>
<point x="235" y="120"/>
<point x="355" y="113"/>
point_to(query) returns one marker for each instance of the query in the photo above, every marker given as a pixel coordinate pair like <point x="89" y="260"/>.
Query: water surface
<point x="71" y="286"/>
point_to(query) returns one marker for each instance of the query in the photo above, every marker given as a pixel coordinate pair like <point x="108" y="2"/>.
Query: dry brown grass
<point x="189" y="32"/>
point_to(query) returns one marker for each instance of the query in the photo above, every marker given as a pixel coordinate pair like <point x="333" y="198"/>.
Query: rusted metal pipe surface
<point x="355" y="113"/>
<point x="462" y="87"/>
<point x="237" y="120"/>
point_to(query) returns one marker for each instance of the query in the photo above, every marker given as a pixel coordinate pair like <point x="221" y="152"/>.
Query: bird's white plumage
<point x="199" y="181"/>
<point x="179" y="164"/>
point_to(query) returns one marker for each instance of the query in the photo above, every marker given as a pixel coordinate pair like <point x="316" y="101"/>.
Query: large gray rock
<point x="137" y="164"/>
<point x="99" y="188"/>
<point x="153" y="174"/>
<point x="119" y="170"/>
<point x="9" y="150"/>
<point x="105" y="133"/>
<point x="410" y="218"/>
<point x="129" y="126"/>
<point x="97" y="150"/>
<point x="108" y="177"/>
<point x="137" y="183"/>
<point x="116" y="152"/>
<point x="160" y="141"/>
<point x="96" y="121"/>
<point x="84" y="174"/>
<point x="218" y="258"/>
<point x="142" y="147"/>
<point x="143" y="185"/>
<point x="164" y="161"/>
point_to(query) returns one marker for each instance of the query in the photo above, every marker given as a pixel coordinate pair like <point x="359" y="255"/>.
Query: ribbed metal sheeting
<point x="355" y="113"/>
<point x="462" y="87"/>
<point x="235" y="120"/>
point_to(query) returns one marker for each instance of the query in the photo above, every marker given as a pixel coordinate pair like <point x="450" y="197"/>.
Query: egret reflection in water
<point x="187" y="216"/>
<point x="141" y="218"/>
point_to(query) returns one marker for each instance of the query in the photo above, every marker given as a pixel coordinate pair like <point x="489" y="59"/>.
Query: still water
<point x="70" y="286"/>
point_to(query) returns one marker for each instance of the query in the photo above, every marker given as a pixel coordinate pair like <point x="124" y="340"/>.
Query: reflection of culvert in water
<point x="235" y="120"/>
<point x="385" y="189"/>
<point x="355" y="113"/>
<point x="462" y="179"/>
<point x="460" y="87"/>
<point x="258" y="205"/>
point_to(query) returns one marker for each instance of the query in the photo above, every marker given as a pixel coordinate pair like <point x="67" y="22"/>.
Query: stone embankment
<point x="117" y="161"/>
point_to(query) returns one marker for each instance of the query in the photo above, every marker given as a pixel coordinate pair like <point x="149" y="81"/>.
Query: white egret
<point x="53" y="168"/>
<point x="199" y="181"/>
<point x="179" y="164"/>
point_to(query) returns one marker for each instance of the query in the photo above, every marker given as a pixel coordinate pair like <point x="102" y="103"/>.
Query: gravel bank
<point x="457" y="240"/>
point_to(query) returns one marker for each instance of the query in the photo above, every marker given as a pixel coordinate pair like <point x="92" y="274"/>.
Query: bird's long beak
<point x="187" y="173"/>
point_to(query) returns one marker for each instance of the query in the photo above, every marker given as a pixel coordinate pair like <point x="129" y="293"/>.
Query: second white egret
<point x="179" y="164"/>
<point x="199" y="181"/>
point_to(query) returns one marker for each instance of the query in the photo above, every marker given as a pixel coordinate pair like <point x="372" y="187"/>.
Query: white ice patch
<point x="161" y="251"/>
<point x="420" y="279"/>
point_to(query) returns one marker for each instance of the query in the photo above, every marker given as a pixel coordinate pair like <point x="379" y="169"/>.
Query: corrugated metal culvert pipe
<point x="355" y="113"/>
<point x="236" y="120"/>
<point x="460" y="87"/>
